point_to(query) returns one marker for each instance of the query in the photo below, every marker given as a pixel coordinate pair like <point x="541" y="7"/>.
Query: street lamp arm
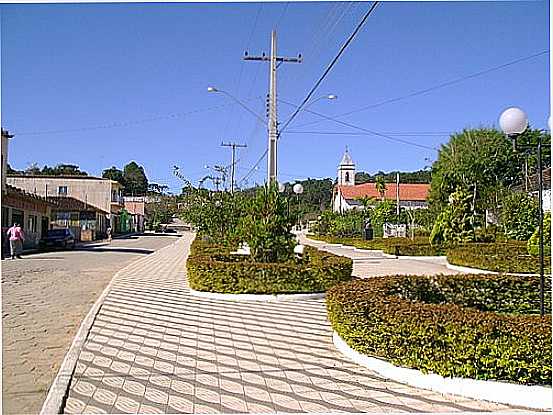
<point x="239" y="102"/>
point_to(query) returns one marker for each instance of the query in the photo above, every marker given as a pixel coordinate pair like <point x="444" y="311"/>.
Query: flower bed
<point x="509" y="256"/>
<point x="213" y="269"/>
<point x="420" y="246"/>
<point x="472" y="326"/>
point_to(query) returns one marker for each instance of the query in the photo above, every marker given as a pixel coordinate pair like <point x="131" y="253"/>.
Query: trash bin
<point x="368" y="234"/>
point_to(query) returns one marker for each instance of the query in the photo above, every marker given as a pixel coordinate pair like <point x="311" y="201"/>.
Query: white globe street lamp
<point x="298" y="189"/>
<point x="513" y="121"/>
<point x="281" y="188"/>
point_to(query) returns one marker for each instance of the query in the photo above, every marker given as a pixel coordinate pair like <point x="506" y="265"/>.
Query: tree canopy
<point x="114" y="173"/>
<point x="136" y="182"/>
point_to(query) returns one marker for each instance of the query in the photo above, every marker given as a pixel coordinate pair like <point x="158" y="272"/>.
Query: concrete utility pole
<point x="272" y="123"/>
<point x="232" y="163"/>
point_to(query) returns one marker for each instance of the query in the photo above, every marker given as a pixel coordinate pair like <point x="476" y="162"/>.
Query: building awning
<point x="68" y="203"/>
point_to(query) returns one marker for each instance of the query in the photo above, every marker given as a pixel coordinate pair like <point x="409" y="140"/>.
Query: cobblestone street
<point x="154" y="348"/>
<point x="44" y="298"/>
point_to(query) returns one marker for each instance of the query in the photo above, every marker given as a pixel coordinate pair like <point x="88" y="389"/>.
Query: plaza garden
<point x="478" y="326"/>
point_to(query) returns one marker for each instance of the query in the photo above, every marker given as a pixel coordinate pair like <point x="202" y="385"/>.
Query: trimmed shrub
<point x="394" y="246"/>
<point x="533" y="245"/>
<point x="454" y="325"/>
<point x="215" y="270"/>
<point x="509" y="256"/>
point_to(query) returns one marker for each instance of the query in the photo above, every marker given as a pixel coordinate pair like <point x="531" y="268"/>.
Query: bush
<point x="454" y="325"/>
<point x="519" y="215"/>
<point x="393" y="246"/>
<point x="266" y="226"/>
<point x="509" y="256"/>
<point x="534" y="241"/>
<point x="215" y="270"/>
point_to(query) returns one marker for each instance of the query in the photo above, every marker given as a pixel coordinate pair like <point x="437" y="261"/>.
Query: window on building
<point x="62" y="191"/>
<point x="31" y="223"/>
<point x="5" y="217"/>
<point x="17" y="217"/>
<point x="347" y="176"/>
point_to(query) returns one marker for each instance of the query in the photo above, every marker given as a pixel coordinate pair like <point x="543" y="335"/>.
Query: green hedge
<point x="455" y="326"/>
<point x="420" y="246"/>
<point x="509" y="256"/>
<point x="213" y="269"/>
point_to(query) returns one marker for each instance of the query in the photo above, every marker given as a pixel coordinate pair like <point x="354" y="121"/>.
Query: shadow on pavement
<point x="114" y="249"/>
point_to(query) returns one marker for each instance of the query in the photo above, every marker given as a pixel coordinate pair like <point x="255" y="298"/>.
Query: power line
<point x="388" y="137"/>
<point x="254" y="167"/>
<point x="401" y="134"/>
<point x="118" y="124"/>
<point x="330" y="66"/>
<point x="438" y="86"/>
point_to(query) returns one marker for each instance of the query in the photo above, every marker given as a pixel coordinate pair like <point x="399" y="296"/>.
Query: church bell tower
<point x="346" y="170"/>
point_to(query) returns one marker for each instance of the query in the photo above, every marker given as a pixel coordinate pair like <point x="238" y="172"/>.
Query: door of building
<point x="44" y="227"/>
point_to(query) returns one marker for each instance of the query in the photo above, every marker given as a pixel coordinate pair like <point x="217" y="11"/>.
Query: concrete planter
<point x="535" y="397"/>
<point x="258" y="297"/>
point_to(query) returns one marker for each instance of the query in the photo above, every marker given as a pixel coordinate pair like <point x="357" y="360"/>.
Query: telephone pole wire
<point x="233" y="146"/>
<point x="274" y="62"/>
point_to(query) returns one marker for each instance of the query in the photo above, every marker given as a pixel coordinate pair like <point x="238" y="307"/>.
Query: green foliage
<point x="215" y="214"/>
<point x="114" y="173"/>
<point x="58" y="170"/>
<point x="380" y="185"/>
<point x="211" y="268"/>
<point x="348" y="224"/>
<point x="479" y="160"/>
<point x="533" y="242"/>
<point x="419" y="246"/>
<point x="437" y="324"/>
<point x="518" y="216"/>
<point x="419" y="176"/>
<point x="135" y="180"/>
<point x="383" y="212"/>
<point x="266" y="226"/>
<point x="509" y="256"/>
<point x="456" y="222"/>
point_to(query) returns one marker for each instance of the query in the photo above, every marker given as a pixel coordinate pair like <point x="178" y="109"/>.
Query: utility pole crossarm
<point x="233" y="146"/>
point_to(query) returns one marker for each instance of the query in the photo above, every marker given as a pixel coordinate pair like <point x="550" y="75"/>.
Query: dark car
<point x="63" y="238"/>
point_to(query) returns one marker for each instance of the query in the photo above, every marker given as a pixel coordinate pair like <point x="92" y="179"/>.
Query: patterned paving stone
<point x="183" y="354"/>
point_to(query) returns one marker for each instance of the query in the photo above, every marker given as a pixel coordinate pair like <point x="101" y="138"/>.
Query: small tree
<point x="266" y="226"/>
<point x="380" y="185"/>
<point x="456" y="222"/>
<point x="519" y="215"/>
<point x="534" y="241"/>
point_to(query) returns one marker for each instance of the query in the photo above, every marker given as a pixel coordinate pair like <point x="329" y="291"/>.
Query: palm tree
<point x="380" y="186"/>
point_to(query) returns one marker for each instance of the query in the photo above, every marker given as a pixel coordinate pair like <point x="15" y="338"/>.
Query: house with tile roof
<point x="346" y="194"/>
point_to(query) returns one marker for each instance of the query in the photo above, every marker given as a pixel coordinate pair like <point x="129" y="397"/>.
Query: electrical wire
<point x="378" y="134"/>
<point x="436" y="87"/>
<point x="330" y="66"/>
<point x="129" y="123"/>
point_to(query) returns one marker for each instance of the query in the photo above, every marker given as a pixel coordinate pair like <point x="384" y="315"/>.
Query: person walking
<point x="108" y="233"/>
<point x="16" y="240"/>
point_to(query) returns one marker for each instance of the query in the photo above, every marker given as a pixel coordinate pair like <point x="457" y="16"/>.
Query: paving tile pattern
<point x="154" y="348"/>
<point x="368" y="263"/>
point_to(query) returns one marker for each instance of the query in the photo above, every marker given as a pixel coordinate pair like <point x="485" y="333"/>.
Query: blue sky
<point x="141" y="72"/>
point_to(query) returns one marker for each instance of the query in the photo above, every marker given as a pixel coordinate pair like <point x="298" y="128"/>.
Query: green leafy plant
<point x="266" y="226"/>
<point x="473" y="326"/>
<point x="212" y="268"/>
<point x="518" y="215"/>
<point x="456" y="222"/>
<point x="511" y="256"/>
<point x="533" y="242"/>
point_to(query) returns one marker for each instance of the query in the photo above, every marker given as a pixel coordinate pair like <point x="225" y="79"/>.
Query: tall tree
<point x="136" y="182"/>
<point x="480" y="161"/>
<point x="114" y="173"/>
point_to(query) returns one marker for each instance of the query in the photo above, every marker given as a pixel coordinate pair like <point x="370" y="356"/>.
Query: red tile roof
<point x="407" y="191"/>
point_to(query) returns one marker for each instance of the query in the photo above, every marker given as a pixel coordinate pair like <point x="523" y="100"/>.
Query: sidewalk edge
<point x="57" y="394"/>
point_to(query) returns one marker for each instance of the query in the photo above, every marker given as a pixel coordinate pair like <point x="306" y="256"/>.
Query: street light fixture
<point x="238" y="101"/>
<point x="513" y="122"/>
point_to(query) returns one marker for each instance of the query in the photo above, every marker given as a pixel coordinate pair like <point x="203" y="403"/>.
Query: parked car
<point x="63" y="238"/>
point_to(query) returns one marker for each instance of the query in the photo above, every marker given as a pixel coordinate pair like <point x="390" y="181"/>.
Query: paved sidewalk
<point x="154" y="348"/>
<point x="368" y="263"/>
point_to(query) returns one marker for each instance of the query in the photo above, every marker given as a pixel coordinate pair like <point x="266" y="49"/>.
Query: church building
<point x="346" y="193"/>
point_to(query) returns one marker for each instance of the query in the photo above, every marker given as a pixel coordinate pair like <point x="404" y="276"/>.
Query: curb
<point x="257" y="297"/>
<point x="57" y="393"/>
<point x="535" y="397"/>
<point x="483" y="271"/>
